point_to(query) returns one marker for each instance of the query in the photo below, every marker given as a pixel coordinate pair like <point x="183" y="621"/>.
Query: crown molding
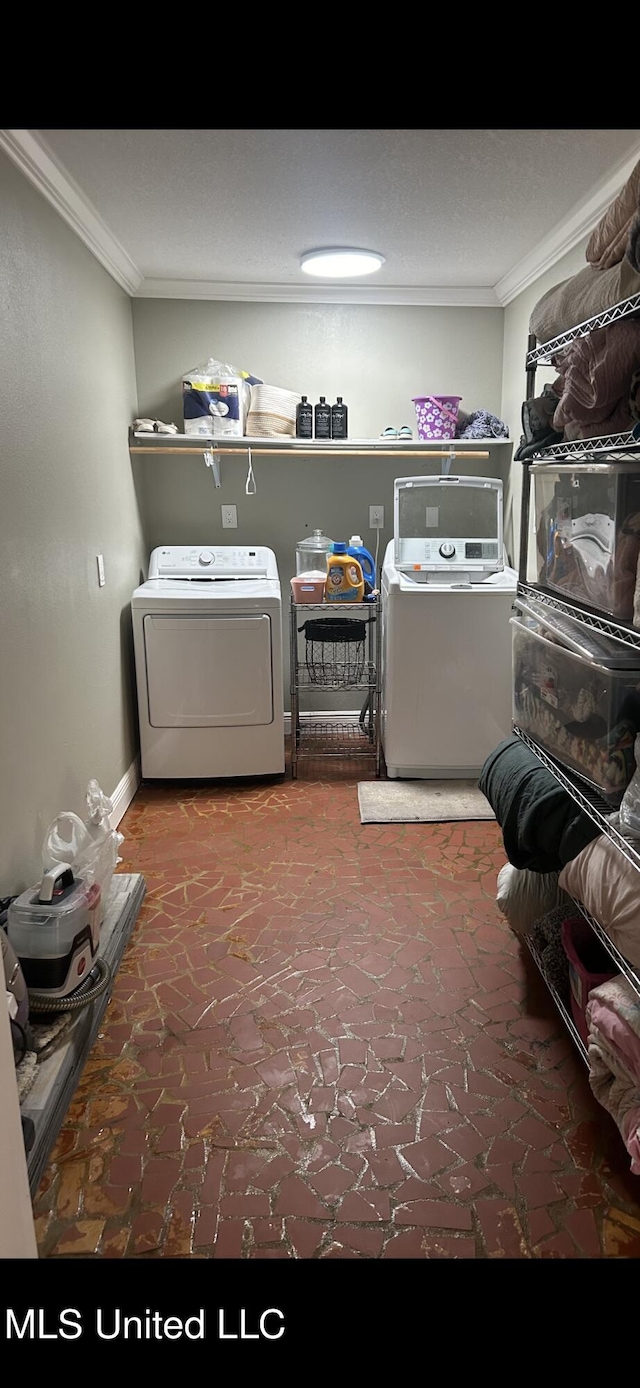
<point x="39" y="164"/>
<point x="474" y="296"/>
<point x="565" y="235"/>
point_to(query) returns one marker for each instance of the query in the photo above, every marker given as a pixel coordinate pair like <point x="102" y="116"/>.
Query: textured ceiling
<point x="446" y="207"/>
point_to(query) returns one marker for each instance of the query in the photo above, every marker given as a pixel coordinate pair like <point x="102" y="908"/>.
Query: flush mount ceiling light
<point x="340" y="262"/>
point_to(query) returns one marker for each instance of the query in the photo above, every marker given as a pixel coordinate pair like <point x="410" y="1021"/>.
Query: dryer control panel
<point x="212" y="562"/>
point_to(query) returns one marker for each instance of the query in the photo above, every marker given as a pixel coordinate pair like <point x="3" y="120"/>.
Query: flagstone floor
<point x="325" y="1042"/>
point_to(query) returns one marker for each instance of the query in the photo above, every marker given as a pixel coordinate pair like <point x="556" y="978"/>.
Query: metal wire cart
<point x="335" y="650"/>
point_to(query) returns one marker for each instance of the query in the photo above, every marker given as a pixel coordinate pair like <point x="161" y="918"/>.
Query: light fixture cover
<point x="340" y="262"/>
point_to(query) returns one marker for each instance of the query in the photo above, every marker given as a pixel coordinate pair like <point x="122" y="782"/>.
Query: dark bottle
<point x="339" y="420"/>
<point x="322" y="414"/>
<point x="304" y="419"/>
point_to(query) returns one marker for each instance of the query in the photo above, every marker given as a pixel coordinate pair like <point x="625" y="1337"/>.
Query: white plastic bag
<point x="90" y="847"/>
<point x="524" y="896"/>
<point x="629" y="812"/>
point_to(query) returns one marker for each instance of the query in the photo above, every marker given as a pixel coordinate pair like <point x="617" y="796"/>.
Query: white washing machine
<point x="446" y="635"/>
<point x="207" y="631"/>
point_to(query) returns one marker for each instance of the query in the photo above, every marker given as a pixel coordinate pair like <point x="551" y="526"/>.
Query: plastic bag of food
<point x="88" y="846"/>
<point x="215" y="400"/>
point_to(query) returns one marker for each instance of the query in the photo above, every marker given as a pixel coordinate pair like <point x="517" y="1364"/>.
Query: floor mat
<point x="435" y="802"/>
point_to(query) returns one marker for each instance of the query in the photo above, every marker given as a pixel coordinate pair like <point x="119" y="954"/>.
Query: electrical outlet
<point x="101" y="578"/>
<point x="376" y="517"/>
<point x="229" y="517"/>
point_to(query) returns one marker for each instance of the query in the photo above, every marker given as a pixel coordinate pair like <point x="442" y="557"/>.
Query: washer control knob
<point x="207" y="557"/>
<point x="447" y="550"/>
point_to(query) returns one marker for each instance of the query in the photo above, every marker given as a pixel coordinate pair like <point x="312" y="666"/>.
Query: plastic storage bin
<point x="588" y="532"/>
<point x="583" y="708"/>
<point x="308" y="588"/>
<point x="589" y="966"/>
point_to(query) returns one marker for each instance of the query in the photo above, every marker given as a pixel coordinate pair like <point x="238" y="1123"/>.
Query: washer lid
<point x="212" y="562"/>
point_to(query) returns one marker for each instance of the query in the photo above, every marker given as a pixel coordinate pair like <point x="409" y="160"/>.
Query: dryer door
<point x="208" y="672"/>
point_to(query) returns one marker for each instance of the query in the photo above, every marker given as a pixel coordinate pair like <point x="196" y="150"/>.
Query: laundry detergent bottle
<point x="366" y="561"/>
<point x="345" y="580"/>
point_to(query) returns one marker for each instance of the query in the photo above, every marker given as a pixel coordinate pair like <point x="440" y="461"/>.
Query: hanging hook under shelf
<point x="250" y="484"/>
<point x="212" y="460"/>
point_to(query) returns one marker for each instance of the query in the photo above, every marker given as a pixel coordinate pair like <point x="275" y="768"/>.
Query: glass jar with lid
<point x="311" y="554"/>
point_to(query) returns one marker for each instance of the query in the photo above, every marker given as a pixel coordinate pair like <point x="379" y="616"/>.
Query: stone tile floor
<point x="324" y="1042"/>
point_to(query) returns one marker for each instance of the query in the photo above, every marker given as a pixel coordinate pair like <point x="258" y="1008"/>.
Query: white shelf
<point x="196" y="443"/>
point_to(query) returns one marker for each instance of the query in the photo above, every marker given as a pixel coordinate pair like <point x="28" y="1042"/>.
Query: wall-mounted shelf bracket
<point x="212" y="460"/>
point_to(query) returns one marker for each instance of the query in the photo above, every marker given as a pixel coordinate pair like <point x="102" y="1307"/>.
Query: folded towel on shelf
<point x="595" y="374"/>
<point x="583" y="296"/>
<point x="542" y="827"/>
<point x="633" y="244"/>
<point x="609" y="240"/>
<point x="608" y="886"/>
<point x="613" y="1020"/>
<point x="634" y="397"/>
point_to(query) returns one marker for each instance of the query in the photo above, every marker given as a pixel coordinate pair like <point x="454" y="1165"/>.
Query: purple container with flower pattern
<point x="436" y="415"/>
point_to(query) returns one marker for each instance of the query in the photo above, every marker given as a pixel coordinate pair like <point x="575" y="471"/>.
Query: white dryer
<point x="207" y="631"/>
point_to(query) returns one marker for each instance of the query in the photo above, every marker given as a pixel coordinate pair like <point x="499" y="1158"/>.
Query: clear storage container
<point x="583" y="708"/>
<point x="587" y="520"/>
<point x="311" y="554"/>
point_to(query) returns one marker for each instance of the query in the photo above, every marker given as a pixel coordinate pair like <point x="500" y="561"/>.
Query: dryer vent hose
<point x="99" y="979"/>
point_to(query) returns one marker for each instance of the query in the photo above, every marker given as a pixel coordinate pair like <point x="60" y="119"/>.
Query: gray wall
<point x="375" y="357"/>
<point x="67" y="395"/>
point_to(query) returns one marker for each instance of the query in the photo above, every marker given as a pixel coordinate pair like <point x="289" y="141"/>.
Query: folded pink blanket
<point x="612" y="1087"/>
<point x="613" y="1021"/>
<point x="620" y="1037"/>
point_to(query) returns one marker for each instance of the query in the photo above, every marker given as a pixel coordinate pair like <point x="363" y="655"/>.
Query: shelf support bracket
<point x="212" y="460"/>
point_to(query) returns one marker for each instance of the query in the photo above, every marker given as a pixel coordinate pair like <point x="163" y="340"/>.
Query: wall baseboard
<point x="129" y="783"/>
<point x="124" y="792"/>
